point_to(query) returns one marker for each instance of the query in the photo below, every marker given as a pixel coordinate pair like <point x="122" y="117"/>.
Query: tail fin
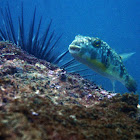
<point x="131" y="84"/>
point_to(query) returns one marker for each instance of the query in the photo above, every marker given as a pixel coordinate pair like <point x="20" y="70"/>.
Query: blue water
<point x="116" y="22"/>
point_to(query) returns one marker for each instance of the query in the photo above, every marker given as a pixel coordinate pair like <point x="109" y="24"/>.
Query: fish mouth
<point x="74" y="48"/>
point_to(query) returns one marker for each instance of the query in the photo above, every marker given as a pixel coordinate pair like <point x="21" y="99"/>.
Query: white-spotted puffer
<point x="98" y="56"/>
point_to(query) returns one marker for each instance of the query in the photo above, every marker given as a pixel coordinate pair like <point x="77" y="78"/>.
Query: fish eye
<point x="96" y="43"/>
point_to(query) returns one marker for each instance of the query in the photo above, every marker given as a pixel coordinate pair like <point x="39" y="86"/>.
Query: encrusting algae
<point x="39" y="101"/>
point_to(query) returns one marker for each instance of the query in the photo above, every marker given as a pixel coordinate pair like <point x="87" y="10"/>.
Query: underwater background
<point x="115" y="22"/>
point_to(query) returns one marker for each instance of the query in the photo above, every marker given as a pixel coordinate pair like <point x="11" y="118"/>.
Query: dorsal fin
<point x="125" y="56"/>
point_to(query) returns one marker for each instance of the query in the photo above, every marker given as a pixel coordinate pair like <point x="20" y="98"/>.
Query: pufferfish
<point x="101" y="58"/>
